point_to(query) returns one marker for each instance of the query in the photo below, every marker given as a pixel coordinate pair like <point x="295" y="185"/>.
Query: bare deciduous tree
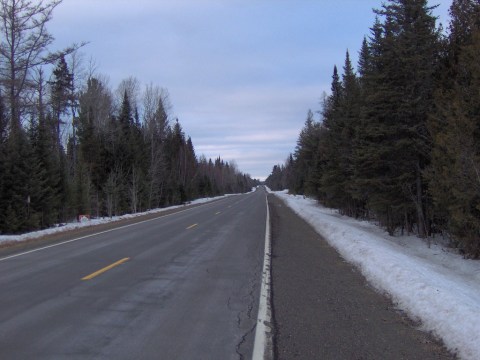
<point x="23" y="47"/>
<point x="97" y="99"/>
<point x="131" y="86"/>
<point x="156" y="107"/>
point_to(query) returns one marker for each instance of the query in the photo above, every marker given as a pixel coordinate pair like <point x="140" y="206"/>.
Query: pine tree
<point x="45" y="181"/>
<point x="3" y="158"/>
<point x="454" y="172"/>
<point x="340" y="116"/>
<point x="87" y="162"/>
<point x="61" y="96"/>
<point x="156" y="125"/>
<point x="289" y="174"/>
<point x="175" y="155"/>
<point x="139" y="166"/>
<point x="393" y="148"/>
<point x="191" y="168"/>
<point x="274" y="180"/>
<point x="204" y="184"/>
<point x="124" y="152"/>
<point x="364" y="60"/>
<point x="16" y="180"/>
<point x="305" y="152"/>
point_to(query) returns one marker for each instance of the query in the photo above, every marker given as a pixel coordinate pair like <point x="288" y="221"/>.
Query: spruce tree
<point x="124" y="152"/>
<point x="16" y="193"/>
<point x="305" y="152"/>
<point x="156" y="134"/>
<point x="364" y="59"/>
<point x="393" y="146"/>
<point x="61" y="96"/>
<point x="455" y="168"/>
<point x="3" y="154"/>
<point x="45" y="182"/>
<point x="341" y="117"/>
<point x="191" y="168"/>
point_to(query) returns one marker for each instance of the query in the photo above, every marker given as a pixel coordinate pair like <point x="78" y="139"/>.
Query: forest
<point x="71" y="145"/>
<point x="397" y="140"/>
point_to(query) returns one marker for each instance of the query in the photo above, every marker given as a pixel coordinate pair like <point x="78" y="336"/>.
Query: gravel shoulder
<point x="324" y="309"/>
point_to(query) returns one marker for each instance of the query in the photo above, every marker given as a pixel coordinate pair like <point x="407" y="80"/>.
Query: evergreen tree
<point x="305" y="153"/>
<point x="89" y="166"/>
<point x="155" y="133"/>
<point x="113" y="162"/>
<point x="124" y="152"/>
<point x="45" y="181"/>
<point x="61" y="95"/>
<point x="174" y="152"/>
<point x="274" y="180"/>
<point x="139" y="166"/>
<point x="15" y="198"/>
<point x="393" y="144"/>
<point x="289" y="173"/>
<point x="3" y="158"/>
<point x="191" y="169"/>
<point x="341" y="116"/>
<point x="364" y="60"/>
<point x="454" y="172"/>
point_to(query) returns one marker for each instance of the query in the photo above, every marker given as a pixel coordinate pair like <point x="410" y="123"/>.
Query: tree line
<point x="70" y="145"/>
<point x="398" y="140"/>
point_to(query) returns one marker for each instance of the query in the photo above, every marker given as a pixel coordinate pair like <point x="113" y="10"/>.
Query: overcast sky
<point x="241" y="74"/>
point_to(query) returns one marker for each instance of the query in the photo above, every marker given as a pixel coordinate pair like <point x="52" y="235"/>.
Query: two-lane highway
<point x="182" y="286"/>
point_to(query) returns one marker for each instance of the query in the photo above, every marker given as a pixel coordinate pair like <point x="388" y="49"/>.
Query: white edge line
<point x="262" y="348"/>
<point x="100" y="233"/>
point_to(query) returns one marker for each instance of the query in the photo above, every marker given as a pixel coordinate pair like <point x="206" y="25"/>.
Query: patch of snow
<point x="434" y="285"/>
<point x="85" y="222"/>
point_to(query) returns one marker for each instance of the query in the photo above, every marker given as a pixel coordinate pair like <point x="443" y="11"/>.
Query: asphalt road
<point x="182" y="286"/>
<point x="324" y="309"/>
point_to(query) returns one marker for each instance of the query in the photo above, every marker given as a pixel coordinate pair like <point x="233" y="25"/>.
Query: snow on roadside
<point x="93" y="222"/>
<point x="433" y="285"/>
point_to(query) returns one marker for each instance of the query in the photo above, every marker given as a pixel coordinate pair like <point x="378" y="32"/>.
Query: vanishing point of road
<point x="181" y="286"/>
<point x="186" y="284"/>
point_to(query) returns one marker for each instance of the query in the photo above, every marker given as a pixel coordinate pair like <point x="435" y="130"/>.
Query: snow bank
<point x="433" y="285"/>
<point x="93" y="222"/>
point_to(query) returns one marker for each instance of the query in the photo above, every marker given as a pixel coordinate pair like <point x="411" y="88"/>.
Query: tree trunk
<point x="422" y="229"/>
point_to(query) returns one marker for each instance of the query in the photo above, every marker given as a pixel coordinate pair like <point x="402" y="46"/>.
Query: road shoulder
<point x="15" y="247"/>
<point x="324" y="309"/>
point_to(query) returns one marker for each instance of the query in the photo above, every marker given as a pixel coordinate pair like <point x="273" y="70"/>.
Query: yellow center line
<point x="191" y="226"/>
<point x="101" y="271"/>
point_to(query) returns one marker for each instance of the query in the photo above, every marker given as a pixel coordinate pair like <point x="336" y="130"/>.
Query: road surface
<point x="324" y="309"/>
<point x="186" y="285"/>
<point x="182" y="286"/>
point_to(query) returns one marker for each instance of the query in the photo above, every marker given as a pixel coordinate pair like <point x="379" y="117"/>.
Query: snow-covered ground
<point x="76" y="225"/>
<point x="433" y="285"/>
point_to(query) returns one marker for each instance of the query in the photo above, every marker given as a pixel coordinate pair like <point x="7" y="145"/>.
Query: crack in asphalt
<point x="242" y="341"/>
<point x="245" y="315"/>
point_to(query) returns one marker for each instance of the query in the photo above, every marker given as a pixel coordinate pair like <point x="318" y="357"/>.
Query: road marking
<point x="106" y="268"/>
<point x="110" y="230"/>
<point x="214" y="202"/>
<point x="218" y="212"/>
<point x="191" y="226"/>
<point x="262" y="347"/>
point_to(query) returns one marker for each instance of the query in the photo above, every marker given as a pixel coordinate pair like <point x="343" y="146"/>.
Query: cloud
<point x="241" y="73"/>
